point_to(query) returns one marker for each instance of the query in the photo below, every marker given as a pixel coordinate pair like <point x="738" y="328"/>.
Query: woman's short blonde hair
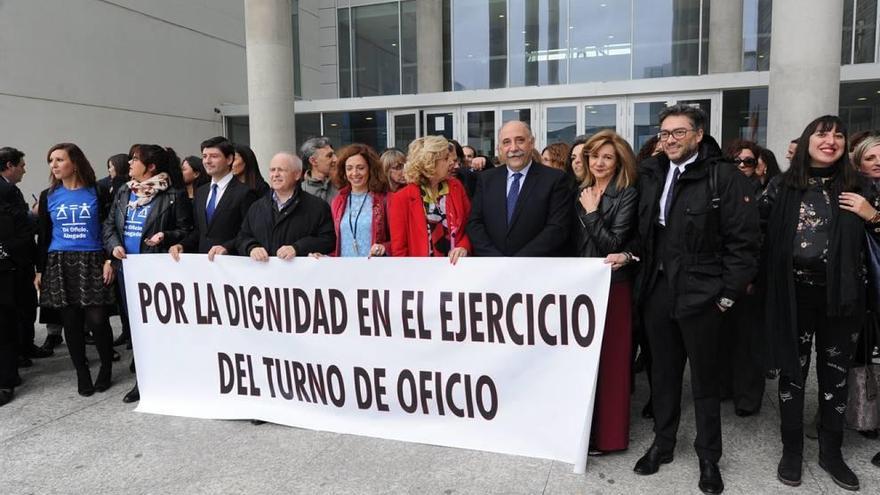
<point x="862" y="148"/>
<point x="422" y="157"/>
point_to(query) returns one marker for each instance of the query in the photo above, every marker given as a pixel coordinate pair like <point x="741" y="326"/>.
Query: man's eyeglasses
<point x="745" y="162"/>
<point x="676" y="133"/>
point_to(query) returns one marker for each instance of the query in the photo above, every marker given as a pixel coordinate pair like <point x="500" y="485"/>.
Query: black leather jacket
<point x="171" y="213"/>
<point x="608" y="229"/>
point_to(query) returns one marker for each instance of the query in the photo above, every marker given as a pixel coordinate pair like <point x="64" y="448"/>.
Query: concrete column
<point x="804" y="68"/>
<point x="270" y="78"/>
<point x="725" y="36"/>
<point x="429" y="45"/>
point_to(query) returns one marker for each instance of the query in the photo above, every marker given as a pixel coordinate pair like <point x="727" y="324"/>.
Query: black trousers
<point x="8" y="338"/>
<point x="25" y="309"/>
<point x="835" y="343"/>
<point x="673" y="342"/>
<point x="741" y="355"/>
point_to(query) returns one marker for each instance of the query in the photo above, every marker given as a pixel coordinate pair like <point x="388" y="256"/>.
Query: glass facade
<point x="377" y="49"/>
<point x="600" y="41"/>
<point x="757" y="21"/>
<point x="561" y="124"/>
<point x="859" y="32"/>
<point x="537" y="35"/>
<point x="367" y="127"/>
<point x="479" y="44"/>
<point x="860" y="106"/>
<point x="308" y="125"/>
<point x="599" y="117"/>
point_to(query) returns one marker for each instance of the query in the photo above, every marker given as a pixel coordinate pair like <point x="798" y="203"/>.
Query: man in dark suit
<point x="12" y="169"/>
<point x="523" y="208"/>
<point x="219" y="207"/>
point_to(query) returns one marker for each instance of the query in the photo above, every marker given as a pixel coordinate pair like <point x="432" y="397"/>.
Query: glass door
<point x="403" y="128"/>
<point x="560" y="124"/>
<point x="440" y="122"/>
<point x="480" y="128"/>
<point x="643" y="120"/>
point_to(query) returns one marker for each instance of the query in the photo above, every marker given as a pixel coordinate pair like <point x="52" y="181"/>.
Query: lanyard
<point x="354" y="228"/>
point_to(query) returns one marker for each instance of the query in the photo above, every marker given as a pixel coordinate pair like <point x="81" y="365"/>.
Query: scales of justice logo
<point x="74" y="219"/>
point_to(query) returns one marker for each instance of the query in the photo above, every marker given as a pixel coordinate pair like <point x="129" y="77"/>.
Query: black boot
<point x="790" y="467"/>
<point x="84" y="382"/>
<point x="831" y="460"/>
<point x="103" y="381"/>
<point x="133" y="395"/>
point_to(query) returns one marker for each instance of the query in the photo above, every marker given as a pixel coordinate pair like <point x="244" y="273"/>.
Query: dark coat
<point x="226" y="223"/>
<point x="25" y="257"/>
<point x="170" y="214"/>
<point x="709" y="252"/>
<point x="44" y="229"/>
<point x="610" y="228"/>
<point x="541" y="219"/>
<point x="305" y="223"/>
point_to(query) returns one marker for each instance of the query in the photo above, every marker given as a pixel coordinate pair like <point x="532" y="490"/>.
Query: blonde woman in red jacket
<point x="428" y="216"/>
<point x="359" y="214"/>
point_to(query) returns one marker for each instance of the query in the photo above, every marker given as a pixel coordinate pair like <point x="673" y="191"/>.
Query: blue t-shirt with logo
<point x="133" y="231"/>
<point x="76" y="225"/>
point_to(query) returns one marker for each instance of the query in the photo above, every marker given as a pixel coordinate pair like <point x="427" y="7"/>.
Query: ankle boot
<point x="103" y="381"/>
<point x="831" y="460"/>
<point x="790" y="467"/>
<point x="84" y="381"/>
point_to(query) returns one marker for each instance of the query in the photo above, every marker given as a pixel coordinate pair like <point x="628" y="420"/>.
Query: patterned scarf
<point x="146" y="190"/>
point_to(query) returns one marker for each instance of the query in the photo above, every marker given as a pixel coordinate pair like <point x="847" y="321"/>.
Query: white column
<point x="725" y="36"/>
<point x="270" y="78"/>
<point x="429" y="45"/>
<point x="804" y="68"/>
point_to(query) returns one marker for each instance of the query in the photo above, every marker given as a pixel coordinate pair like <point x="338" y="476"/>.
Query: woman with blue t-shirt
<point x="74" y="275"/>
<point x="146" y="216"/>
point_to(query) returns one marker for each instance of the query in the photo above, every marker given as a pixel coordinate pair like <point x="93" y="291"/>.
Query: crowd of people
<point x="718" y="258"/>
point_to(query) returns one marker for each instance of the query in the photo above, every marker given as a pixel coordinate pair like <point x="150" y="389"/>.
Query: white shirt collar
<point x="524" y="171"/>
<point x="222" y="183"/>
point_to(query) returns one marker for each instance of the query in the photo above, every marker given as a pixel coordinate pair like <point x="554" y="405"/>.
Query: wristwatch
<point x="725" y="302"/>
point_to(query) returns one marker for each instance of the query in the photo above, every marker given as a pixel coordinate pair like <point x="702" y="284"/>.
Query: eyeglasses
<point x="745" y="162"/>
<point x="676" y="133"/>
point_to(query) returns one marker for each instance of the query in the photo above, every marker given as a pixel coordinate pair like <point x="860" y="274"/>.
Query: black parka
<point x="712" y="248"/>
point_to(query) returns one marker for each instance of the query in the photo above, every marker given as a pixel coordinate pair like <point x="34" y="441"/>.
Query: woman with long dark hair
<point x="147" y="216"/>
<point x="117" y="168"/>
<point x="246" y="169"/>
<point x="74" y="274"/>
<point x="194" y="175"/>
<point x="359" y="213"/>
<point x="817" y="214"/>
<point x="606" y="208"/>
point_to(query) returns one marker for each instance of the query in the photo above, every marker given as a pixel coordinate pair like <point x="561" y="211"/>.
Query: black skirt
<point x="75" y="278"/>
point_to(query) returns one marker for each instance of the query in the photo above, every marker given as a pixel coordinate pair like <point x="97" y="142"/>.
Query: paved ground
<point x="54" y="441"/>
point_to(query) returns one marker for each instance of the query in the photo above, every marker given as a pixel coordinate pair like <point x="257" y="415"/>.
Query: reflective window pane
<point x="238" y="129"/>
<point x="847" y="35"/>
<point x="600" y="48"/>
<point x="479" y="44"/>
<point x="860" y="106"/>
<point x="666" y="38"/>
<point x="537" y="42"/>
<point x="481" y="131"/>
<point x="599" y="117"/>
<point x="704" y="105"/>
<point x="404" y="130"/>
<point x="520" y="114"/>
<point x="368" y="127"/>
<point x="561" y="124"/>
<point x="865" y="31"/>
<point x="757" y="19"/>
<point x="646" y="123"/>
<point x="408" y="44"/>
<point x="744" y="116"/>
<point x="308" y="125"/>
<point x="343" y="43"/>
<point x="438" y="124"/>
<point x="376" y="50"/>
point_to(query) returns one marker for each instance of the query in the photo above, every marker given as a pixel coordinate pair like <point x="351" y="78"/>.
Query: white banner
<point x="494" y="354"/>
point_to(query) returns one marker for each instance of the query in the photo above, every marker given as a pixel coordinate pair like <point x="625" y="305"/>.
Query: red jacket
<point x="378" y="229"/>
<point x="409" y="227"/>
